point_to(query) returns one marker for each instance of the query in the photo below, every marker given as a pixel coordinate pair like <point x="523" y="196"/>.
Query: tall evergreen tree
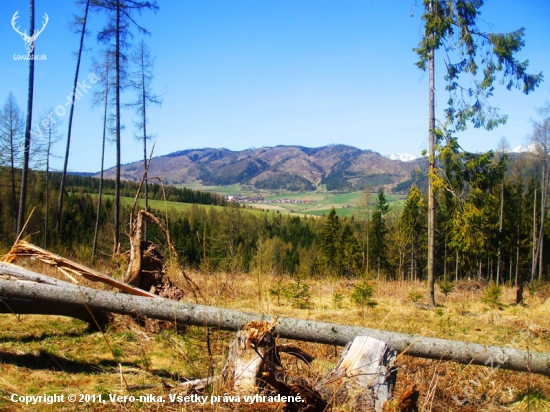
<point x="350" y="255"/>
<point x="452" y="25"/>
<point x="330" y="241"/>
<point x="412" y="221"/>
<point x="379" y="231"/>
<point x="541" y="138"/>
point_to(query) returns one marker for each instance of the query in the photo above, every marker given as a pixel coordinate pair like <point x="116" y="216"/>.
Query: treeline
<point x="85" y="184"/>
<point x="490" y="214"/>
<point x="285" y="181"/>
<point x="78" y="219"/>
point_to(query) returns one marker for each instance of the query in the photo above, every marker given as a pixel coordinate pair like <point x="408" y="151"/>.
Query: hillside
<point x="339" y="167"/>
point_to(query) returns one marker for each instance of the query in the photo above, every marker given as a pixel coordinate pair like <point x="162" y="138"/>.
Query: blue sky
<point x="249" y="73"/>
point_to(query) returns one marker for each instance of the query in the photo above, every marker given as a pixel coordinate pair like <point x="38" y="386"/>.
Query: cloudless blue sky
<point x="249" y="73"/>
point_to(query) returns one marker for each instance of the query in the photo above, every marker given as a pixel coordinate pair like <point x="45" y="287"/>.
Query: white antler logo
<point x="29" y="40"/>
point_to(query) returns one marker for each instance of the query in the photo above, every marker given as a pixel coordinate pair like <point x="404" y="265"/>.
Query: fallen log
<point x="20" y="273"/>
<point x="291" y="328"/>
<point x="68" y="267"/>
<point x="31" y="307"/>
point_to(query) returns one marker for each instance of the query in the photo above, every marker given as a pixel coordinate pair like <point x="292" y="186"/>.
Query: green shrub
<point x="535" y="286"/>
<point x="416" y="296"/>
<point x="492" y="295"/>
<point x="337" y="300"/>
<point x="297" y="292"/>
<point x="362" y="294"/>
<point x="446" y="287"/>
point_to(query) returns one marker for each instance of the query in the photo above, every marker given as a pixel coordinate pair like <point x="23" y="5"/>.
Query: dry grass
<point x="47" y="355"/>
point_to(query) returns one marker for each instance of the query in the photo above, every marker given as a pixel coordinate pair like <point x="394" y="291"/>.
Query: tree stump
<point x="364" y="376"/>
<point x="246" y="360"/>
<point x="363" y="379"/>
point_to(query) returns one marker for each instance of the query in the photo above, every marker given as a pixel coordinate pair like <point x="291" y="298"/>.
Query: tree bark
<point x="500" y="230"/>
<point x="291" y="328"/>
<point x="100" y="191"/>
<point x="534" y="258"/>
<point x="544" y="195"/>
<point x="431" y="169"/>
<point x="118" y="57"/>
<point x="28" y="128"/>
<point x="70" y="121"/>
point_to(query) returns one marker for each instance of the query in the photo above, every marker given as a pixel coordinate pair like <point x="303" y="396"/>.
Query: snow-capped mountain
<point x="521" y="149"/>
<point x="404" y="157"/>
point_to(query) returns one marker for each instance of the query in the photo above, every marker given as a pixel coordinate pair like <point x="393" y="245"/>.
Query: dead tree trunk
<point x="291" y="328"/>
<point x="364" y="377"/>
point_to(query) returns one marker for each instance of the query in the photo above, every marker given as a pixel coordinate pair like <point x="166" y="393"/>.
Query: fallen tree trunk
<point x="66" y="266"/>
<point x="291" y="328"/>
<point x="30" y="307"/>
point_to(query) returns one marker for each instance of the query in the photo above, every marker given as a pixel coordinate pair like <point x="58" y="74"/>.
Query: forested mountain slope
<point x="340" y="167"/>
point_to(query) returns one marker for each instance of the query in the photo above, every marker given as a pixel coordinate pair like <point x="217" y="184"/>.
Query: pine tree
<point x="412" y="221"/>
<point x="379" y="231"/>
<point x="452" y="25"/>
<point x="330" y="242"/>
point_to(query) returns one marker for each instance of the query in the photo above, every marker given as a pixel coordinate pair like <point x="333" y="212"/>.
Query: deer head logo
<point x="29" y="40"/>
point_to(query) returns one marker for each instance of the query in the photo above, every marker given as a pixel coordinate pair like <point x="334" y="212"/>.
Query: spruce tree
<point x="478" y="57"/>
<point x="379" y="231"/>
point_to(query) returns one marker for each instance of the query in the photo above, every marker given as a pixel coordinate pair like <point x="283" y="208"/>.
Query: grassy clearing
<point x="177" y="206"/>
<point x="346" y="204"/>
<point x="56" y="355"/>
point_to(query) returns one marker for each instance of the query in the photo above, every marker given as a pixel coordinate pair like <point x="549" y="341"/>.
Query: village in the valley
<point x="254" y="199"/>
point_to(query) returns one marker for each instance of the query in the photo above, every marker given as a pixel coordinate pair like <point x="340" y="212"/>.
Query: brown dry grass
<point x="56" y="355"/>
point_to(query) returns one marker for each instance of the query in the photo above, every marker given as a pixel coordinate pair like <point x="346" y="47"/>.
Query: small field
<point x="346" y="204"/>
<point x="177" y="206"/>
<point x="57" y="355"/>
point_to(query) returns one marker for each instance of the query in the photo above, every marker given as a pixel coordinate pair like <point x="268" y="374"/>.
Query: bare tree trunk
<point x="289" y="328"/>
<point x="479" y="270"/>
<point x="516" y="283"/>
<point x="412" y="263"/>
<point x="13" y="190"/>
<point x="70" y="121"/>
<point x="47" y="187"/>
<point x="431" y="168"/>
<point x="500" y="229"/>
<point x="28" y="128"/>
<point x="144" y="146"/>
<point x="99" y="196"/>
<point x="117" y="132"/>
<point x="445" y="260"/>
<point x="534" y="258"/>
<point x="544" y="194"/>
<point x="511" y="264"/>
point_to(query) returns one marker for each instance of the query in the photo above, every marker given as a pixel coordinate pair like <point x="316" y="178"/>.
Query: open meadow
<point x="345" y="204"/>
<point x="58" y="355"/>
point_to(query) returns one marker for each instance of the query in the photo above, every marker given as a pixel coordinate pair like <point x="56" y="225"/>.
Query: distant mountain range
<point x="404" y="157"/>
<point x="339" y="167"/>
